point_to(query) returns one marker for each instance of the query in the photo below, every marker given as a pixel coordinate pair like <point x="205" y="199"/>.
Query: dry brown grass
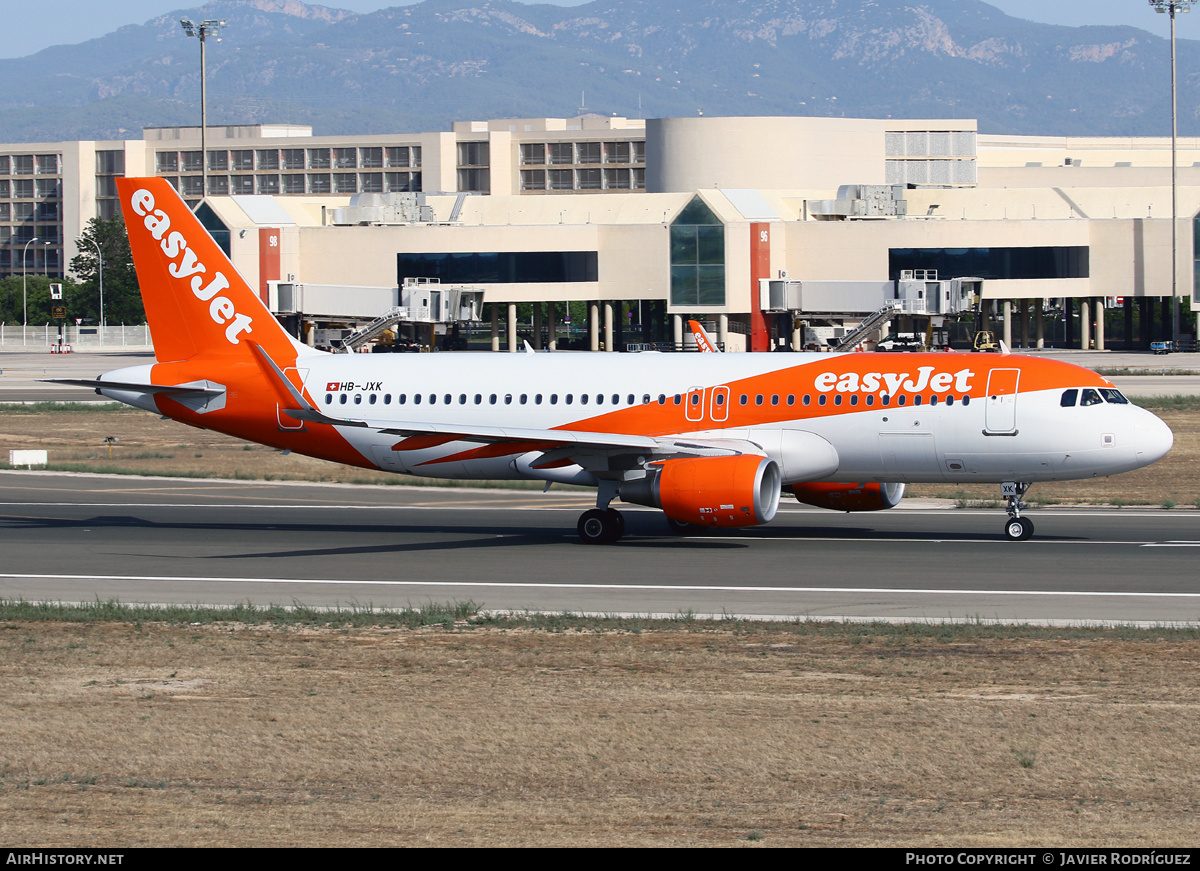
<point x="123" y="735"/>
<point x="150" y="445"/>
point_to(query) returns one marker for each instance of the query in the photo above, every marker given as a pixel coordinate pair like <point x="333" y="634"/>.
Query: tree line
<point x="81" y="290"/>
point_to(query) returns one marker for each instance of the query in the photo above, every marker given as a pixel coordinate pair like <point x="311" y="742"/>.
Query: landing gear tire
<point x="1018" y="529"/>
<point x="619" y="519"/>
<point x="600" y="526"/>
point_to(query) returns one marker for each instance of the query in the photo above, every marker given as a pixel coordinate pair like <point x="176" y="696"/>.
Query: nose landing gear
<point x="1016" y="528"/>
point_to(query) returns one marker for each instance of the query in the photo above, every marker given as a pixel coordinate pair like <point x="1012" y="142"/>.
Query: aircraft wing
<point x="564" y="443"/>
<point x="475" y="433"/>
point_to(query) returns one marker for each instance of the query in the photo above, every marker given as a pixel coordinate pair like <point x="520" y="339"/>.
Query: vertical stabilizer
<point x="196" y="302"/>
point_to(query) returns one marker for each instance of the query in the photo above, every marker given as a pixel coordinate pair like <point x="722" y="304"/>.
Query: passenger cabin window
<point x="1090" y="397"/>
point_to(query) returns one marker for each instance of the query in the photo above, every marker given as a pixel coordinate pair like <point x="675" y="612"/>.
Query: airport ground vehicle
<point x="710" y="439"/>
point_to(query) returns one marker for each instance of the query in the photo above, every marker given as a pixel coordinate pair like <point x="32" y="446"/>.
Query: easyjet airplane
<point x="711" y="439"/>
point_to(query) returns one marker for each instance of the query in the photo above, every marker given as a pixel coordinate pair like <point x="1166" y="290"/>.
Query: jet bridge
<point x="418" y="301"/>
<point x="917" y="293"/>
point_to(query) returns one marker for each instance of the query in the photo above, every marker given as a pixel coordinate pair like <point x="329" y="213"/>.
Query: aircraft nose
<point x="1154" y="438"/>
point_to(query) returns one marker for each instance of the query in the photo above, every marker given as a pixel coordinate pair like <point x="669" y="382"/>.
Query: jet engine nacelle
<point x="710" y="491"/>
<point x="849" y="497"/>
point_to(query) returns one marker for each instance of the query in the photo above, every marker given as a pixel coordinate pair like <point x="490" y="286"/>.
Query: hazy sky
<point x="29" y="27"/>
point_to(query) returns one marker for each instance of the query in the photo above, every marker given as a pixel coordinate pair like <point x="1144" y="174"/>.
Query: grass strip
<point x="1177" y="402"/>
<point x="247" y="613"/>
<point x="468" y="615"/>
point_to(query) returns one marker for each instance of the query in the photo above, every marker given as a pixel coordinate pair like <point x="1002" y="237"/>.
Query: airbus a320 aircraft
<point x="711" y="439"/>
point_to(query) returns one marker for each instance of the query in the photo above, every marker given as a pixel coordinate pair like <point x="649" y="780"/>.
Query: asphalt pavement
<point x="78" y="538"/>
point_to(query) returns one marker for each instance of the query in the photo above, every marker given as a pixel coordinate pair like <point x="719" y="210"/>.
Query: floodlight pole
<point x="24" y="290"/>
<point x="202" y="31"/>
<point x="100" y="260"/>
<point x="1171" y="7"/>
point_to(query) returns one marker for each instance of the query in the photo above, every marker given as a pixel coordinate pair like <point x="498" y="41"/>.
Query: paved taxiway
<point x="76" y="538"/>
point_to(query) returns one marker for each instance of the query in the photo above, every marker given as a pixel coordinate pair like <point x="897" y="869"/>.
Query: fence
<point x="43" y="336"/>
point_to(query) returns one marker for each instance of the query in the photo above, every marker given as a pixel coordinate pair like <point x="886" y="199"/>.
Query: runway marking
<point x="709" y="588"/>
<point x="1173" y="544"/>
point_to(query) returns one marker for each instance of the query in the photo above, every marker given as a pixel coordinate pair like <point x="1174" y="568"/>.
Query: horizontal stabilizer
<point x="168" y="389"/>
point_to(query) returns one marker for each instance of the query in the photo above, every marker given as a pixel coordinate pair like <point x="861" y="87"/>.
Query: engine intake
<point x="710" y="491"/>
<point x="849" y="497"/>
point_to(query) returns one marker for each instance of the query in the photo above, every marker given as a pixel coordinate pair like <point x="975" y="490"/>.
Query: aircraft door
<point x="718" y="406"/>
<point x="296" y="377"/>
<point x="694" y="404"/>
<point x="1000" y="415"/>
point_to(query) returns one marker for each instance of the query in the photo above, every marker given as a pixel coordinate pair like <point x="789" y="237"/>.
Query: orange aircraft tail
<point x="196" y="302"/>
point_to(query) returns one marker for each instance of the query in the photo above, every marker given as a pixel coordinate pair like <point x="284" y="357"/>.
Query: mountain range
<point x="420" y="67"/>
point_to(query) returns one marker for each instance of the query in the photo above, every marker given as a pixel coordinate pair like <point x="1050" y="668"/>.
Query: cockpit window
<point x="1069" y="398"/>
<point x="1114" y="396"/>
<point x="1090" y="397"/>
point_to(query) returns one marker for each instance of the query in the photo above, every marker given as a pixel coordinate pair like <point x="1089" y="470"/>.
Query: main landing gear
<point x="602" y="525"/>
<point x="1016" y="528"/>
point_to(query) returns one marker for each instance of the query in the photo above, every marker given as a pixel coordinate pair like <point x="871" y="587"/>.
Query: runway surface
<point x="78" y="538"/>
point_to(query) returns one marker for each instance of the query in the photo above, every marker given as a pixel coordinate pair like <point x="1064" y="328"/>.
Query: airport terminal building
<point x="758" y="226"/>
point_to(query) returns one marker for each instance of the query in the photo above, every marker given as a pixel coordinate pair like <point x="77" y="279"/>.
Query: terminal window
<point x="697" y="257"/>
<point x="505" y="267"/>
